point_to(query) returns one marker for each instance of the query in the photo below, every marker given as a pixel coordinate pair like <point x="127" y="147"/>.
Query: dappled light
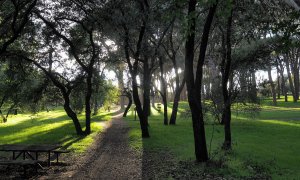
<point x="149" y="89"/>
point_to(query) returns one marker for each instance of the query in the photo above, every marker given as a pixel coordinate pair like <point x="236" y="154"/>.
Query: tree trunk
<point x="72" y="114"/>
<point x="296" y="81"/>
<point x="226" y="71"/>
<point x="146" y="88"/>
<point x="272" y="86"/>
<point x="253" y="87"/>
<point x="194" y="86"/>
<point x="88" y="96"/>
<point x="119" y="73"/>
<point x="163" y="90"/>
<point x="278" y="86"/>
<point x="139" y="109"/>
<point x="128" y="95"/>
<point x="290" y="79"/>
<point x="283" y="87"/>
<point x="176" y="102"/>
<point x="153" y="98"/>
<point x="133" y="68"/>
<point x="96" y="105"/>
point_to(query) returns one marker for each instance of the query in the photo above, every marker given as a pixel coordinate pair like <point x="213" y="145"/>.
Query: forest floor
<point x="112" y="157"/>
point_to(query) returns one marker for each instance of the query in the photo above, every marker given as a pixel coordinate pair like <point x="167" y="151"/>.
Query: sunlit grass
<point x="53" y="127"/>
<point x="269" y="142"/>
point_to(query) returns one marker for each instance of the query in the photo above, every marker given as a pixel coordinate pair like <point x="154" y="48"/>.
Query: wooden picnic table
<point x="24" y="150"/>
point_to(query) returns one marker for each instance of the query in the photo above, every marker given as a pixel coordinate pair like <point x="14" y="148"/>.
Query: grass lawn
<point x="267" y="145"/>
<point x="49" y="128"/>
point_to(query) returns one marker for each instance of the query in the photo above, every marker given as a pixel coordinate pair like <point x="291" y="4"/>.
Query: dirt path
<point x="109" y="158"/>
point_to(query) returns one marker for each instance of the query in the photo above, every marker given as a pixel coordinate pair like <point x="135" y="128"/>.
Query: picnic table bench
<point x="24" y="163"/>
<point x="27" y="150"/>
<point x="57" y="153"/>
<point x="30" y="155"/>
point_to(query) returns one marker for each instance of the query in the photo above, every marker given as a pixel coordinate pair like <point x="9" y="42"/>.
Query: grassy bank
<point x="267" y="145"/>
<point x="49" y="128"/>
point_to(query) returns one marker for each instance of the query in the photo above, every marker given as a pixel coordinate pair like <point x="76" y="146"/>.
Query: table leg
<point x="49" y="158"/>
<point x="29" y="155"/>
<point x="16" y="157"/>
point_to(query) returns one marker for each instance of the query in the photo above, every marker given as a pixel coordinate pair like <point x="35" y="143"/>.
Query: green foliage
<point x="21" y="86"/>
<point x="254" y="54"/>
<point x="112" y="95"/>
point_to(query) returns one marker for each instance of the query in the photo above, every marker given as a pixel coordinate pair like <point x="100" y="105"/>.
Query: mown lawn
<point x="268" y="144"/>
<point x="53" y="127"/>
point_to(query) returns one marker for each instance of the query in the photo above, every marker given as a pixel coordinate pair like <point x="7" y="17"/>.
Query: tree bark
<point x="278" y="86"/>
<point x="176" y="102"/>
<point x="96" y="104"/>
<point x="283" y="87"/>
<point x="133" y="69"/>
<point x="71" y="113"/>
<point x="139" y="109"/>
<point x="290" y="79"/>
<point x="194" y="86"/>
<point x="146" y="88"/>
<point x="226" y="71"/>
<point x="129" y="96"/>
<point x="253" y="87"/>
<point x="163" y="91"/>
<point x="88" y="102"/>
<point x="272" y="86"/>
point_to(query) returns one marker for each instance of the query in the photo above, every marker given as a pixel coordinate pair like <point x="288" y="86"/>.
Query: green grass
<point x="268" y="144"/>
<point x="49" y="128"/>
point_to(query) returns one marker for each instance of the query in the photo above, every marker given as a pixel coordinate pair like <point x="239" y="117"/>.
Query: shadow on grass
<point x="42" y="130"/>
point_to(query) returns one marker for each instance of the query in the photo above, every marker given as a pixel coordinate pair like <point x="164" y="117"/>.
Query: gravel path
<point x="110" y="157"/>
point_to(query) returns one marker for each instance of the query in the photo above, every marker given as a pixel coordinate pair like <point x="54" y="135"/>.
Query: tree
<point x="194" y="84"/>
<point x="226" y="73"/>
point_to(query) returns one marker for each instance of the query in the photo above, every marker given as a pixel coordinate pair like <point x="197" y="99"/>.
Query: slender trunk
<point x="121" y="86"/>
<point x="146" y="87"/>
<point x="71" y="113"/>
<point x="88" y="103"/>
<point x="253" y="88"/>
<point x="178" y="88"/>
<point x="290" y="79"/>
<point x="296" y="82"/>
<point x="283" y="87"/>
<point x="153" y="98"/>
<point x="278" y="86"/>
<point x="133" y="71"/>
<point x="128" y="95"/>
<point x="272" y="86"/>
<point x="194" y="86"/>
<point x="163" y="91"/>
<point x="226" y="70"/>
<point x="139" y="109"/>
<point x="176" y="102"/>
<point x="96" y="105"/>
<point x="4" y="120"/>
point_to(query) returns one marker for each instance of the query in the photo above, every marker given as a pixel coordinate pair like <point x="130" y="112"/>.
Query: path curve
<point x="110" y="157"/>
